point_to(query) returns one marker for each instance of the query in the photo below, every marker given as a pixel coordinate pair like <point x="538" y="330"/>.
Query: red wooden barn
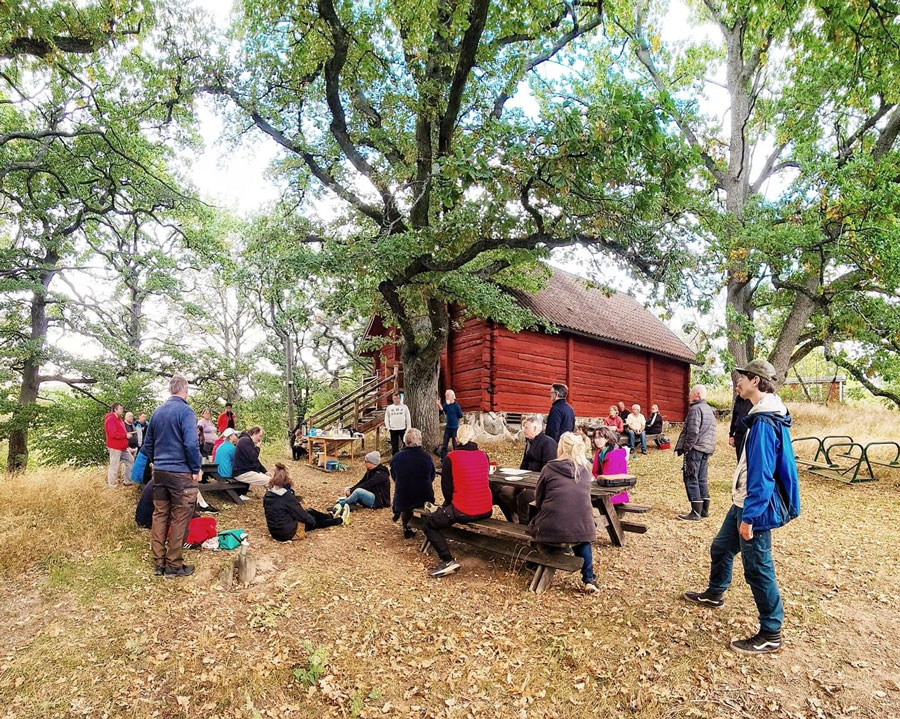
<point x="609" y="348"/>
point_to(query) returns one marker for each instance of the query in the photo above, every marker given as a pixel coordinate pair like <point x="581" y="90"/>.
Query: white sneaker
<point x="345" y="514"/>
<point x="337" y="510"/>
<point x="243" y="497"/>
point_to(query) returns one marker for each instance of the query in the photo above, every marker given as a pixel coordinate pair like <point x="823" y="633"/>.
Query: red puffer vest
<point x="471" y="488"/>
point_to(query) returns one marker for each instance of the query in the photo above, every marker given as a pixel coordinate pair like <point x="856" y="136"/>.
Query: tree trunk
<point x="793" y="328"/>
<point x="17" y="458"/>
<point x="420" y="388"/>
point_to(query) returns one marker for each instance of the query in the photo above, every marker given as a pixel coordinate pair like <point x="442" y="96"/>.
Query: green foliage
<point x="69" y="429"/>
<point x="316" y="662"/>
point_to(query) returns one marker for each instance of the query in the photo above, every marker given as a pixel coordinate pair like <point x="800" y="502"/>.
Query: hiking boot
<point x="694" y="514"/>
<point x="760" y="643"/>
<point x="409" y="533"/>
<point x="704" y="512"/>
<point x="430" y="508"/>
<point x="445" y="568"/>
<point x="185" y="570"/>
<point x="345" y="514"/>
<point x="395" y="516"/>
<point x="210" y="509"/>
<point x="706" y="598"/>
<point x="159" y="571"/>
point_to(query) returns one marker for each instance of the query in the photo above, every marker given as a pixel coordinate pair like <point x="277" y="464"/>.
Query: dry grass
<point x="85" y="631"/>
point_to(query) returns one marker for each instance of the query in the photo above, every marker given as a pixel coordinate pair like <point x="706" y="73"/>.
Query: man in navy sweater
<point x="561" y="417"/>
<point x="171" y="444"/>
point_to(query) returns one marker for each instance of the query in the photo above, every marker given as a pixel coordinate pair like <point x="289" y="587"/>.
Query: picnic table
<point x="511" y="539"/>
<point x="328" y="441"/>
<point x="602" y="491"/>
<point x="212" y="482"/>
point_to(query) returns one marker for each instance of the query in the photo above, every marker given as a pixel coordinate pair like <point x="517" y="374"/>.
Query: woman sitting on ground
<point x="284" y="511"/>
<point x="563" y="500"/>
<point x="614" y="421"/>
<point x="412" y="470"/>
<point x="610" y="458"/>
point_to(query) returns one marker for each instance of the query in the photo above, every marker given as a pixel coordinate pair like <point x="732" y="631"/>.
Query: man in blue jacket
<point x="171" y="444"/>
<point x="561" y="417"/>
<point x="764" y="495"/>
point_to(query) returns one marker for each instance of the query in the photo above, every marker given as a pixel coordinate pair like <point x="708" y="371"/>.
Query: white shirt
<point x="396" y="416"/>
<point x="636" y="422"/>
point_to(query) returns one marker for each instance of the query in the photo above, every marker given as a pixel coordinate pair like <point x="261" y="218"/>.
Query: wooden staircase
<point x="359" y="410"/>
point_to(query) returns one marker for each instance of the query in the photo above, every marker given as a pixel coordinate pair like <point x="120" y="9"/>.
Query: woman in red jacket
<point x="467" y="496"/>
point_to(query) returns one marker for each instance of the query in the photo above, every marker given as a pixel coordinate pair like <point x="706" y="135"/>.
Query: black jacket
<point x="378" y="482"/>
<point x="413" y="471"/>
<point x="283" y="512"/>
<point x="538" y="452"/>
<point x="654" y="424"/>
<point x="739" y="410"/>
<point x="246" y="457"/>
<point x="561" y="418"/>
<point x="143" y="514"/>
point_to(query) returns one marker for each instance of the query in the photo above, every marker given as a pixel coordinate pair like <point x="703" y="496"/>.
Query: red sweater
<point x="116" y="436"/>
<point x="615" y="422"/>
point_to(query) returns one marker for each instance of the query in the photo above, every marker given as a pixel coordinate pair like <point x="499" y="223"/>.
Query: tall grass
<point x="50" y="516"/>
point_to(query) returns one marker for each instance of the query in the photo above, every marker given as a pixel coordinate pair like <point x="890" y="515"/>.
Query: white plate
<point x="512" y="472"/>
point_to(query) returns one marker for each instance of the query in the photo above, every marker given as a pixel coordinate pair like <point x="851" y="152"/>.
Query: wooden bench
<point x="212" y="482"/>
<point x="510" y="540"/>
<point x="623" y="440"/>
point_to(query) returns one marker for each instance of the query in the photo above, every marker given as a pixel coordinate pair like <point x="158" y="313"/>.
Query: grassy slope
<point x="86" y="631"/>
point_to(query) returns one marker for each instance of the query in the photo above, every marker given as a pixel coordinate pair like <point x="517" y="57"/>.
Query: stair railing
<point x="349" y="409"/>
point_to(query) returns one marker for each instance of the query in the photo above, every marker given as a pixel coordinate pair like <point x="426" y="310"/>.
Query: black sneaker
<point x="409" y="533"/>
<point x="759" y="643"/>
<point x="210" y="509"/>
<point x="159" y="571"/>
<point x="706" y="598"/>
<point x="395" y="517"/>
<point x="185" y="570"/>
<point x="445" y="568"/>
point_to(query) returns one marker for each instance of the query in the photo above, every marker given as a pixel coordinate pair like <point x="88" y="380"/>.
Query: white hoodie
<point x="768" y="403"/>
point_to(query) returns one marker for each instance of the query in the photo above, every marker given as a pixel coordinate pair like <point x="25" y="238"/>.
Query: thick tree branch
<point x="464" y="64"/>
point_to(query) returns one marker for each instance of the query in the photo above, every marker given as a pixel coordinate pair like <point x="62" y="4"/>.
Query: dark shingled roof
<point x="571" y="304"/>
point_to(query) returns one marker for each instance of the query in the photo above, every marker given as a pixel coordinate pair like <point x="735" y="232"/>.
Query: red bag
<point x="201" y="529"/>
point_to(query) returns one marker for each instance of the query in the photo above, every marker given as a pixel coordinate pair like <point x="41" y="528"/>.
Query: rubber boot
<point x="694" y="514"/>
<point x="705" y="511"/>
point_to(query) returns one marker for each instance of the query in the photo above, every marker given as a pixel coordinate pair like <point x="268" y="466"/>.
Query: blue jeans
<point x="583" y="550"/>
<point x="359" y="496"/>
<point x="759" y="570"/>
<point x="631" y="436"/>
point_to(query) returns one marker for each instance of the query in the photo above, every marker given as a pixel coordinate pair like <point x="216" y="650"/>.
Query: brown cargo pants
<point x="174" y="497"/>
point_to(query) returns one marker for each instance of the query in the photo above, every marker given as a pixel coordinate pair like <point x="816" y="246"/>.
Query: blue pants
<point x="449" y="433"/>
<point x="583" y="550"/>
<point x="759" y="570"/>
<point x="359" y="496"/>
<point x="631" y="437"/>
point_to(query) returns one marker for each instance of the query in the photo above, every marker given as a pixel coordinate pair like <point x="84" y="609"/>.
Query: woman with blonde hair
<point x="467" y="496"/>
<point x="563" y="499"/>
<point x="284" y="511"/>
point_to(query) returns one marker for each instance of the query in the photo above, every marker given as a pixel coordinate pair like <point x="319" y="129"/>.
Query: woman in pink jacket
<point x="610" y="458"/>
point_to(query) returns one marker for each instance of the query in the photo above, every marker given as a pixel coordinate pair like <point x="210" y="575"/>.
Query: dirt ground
<point x="346" y="622"/>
